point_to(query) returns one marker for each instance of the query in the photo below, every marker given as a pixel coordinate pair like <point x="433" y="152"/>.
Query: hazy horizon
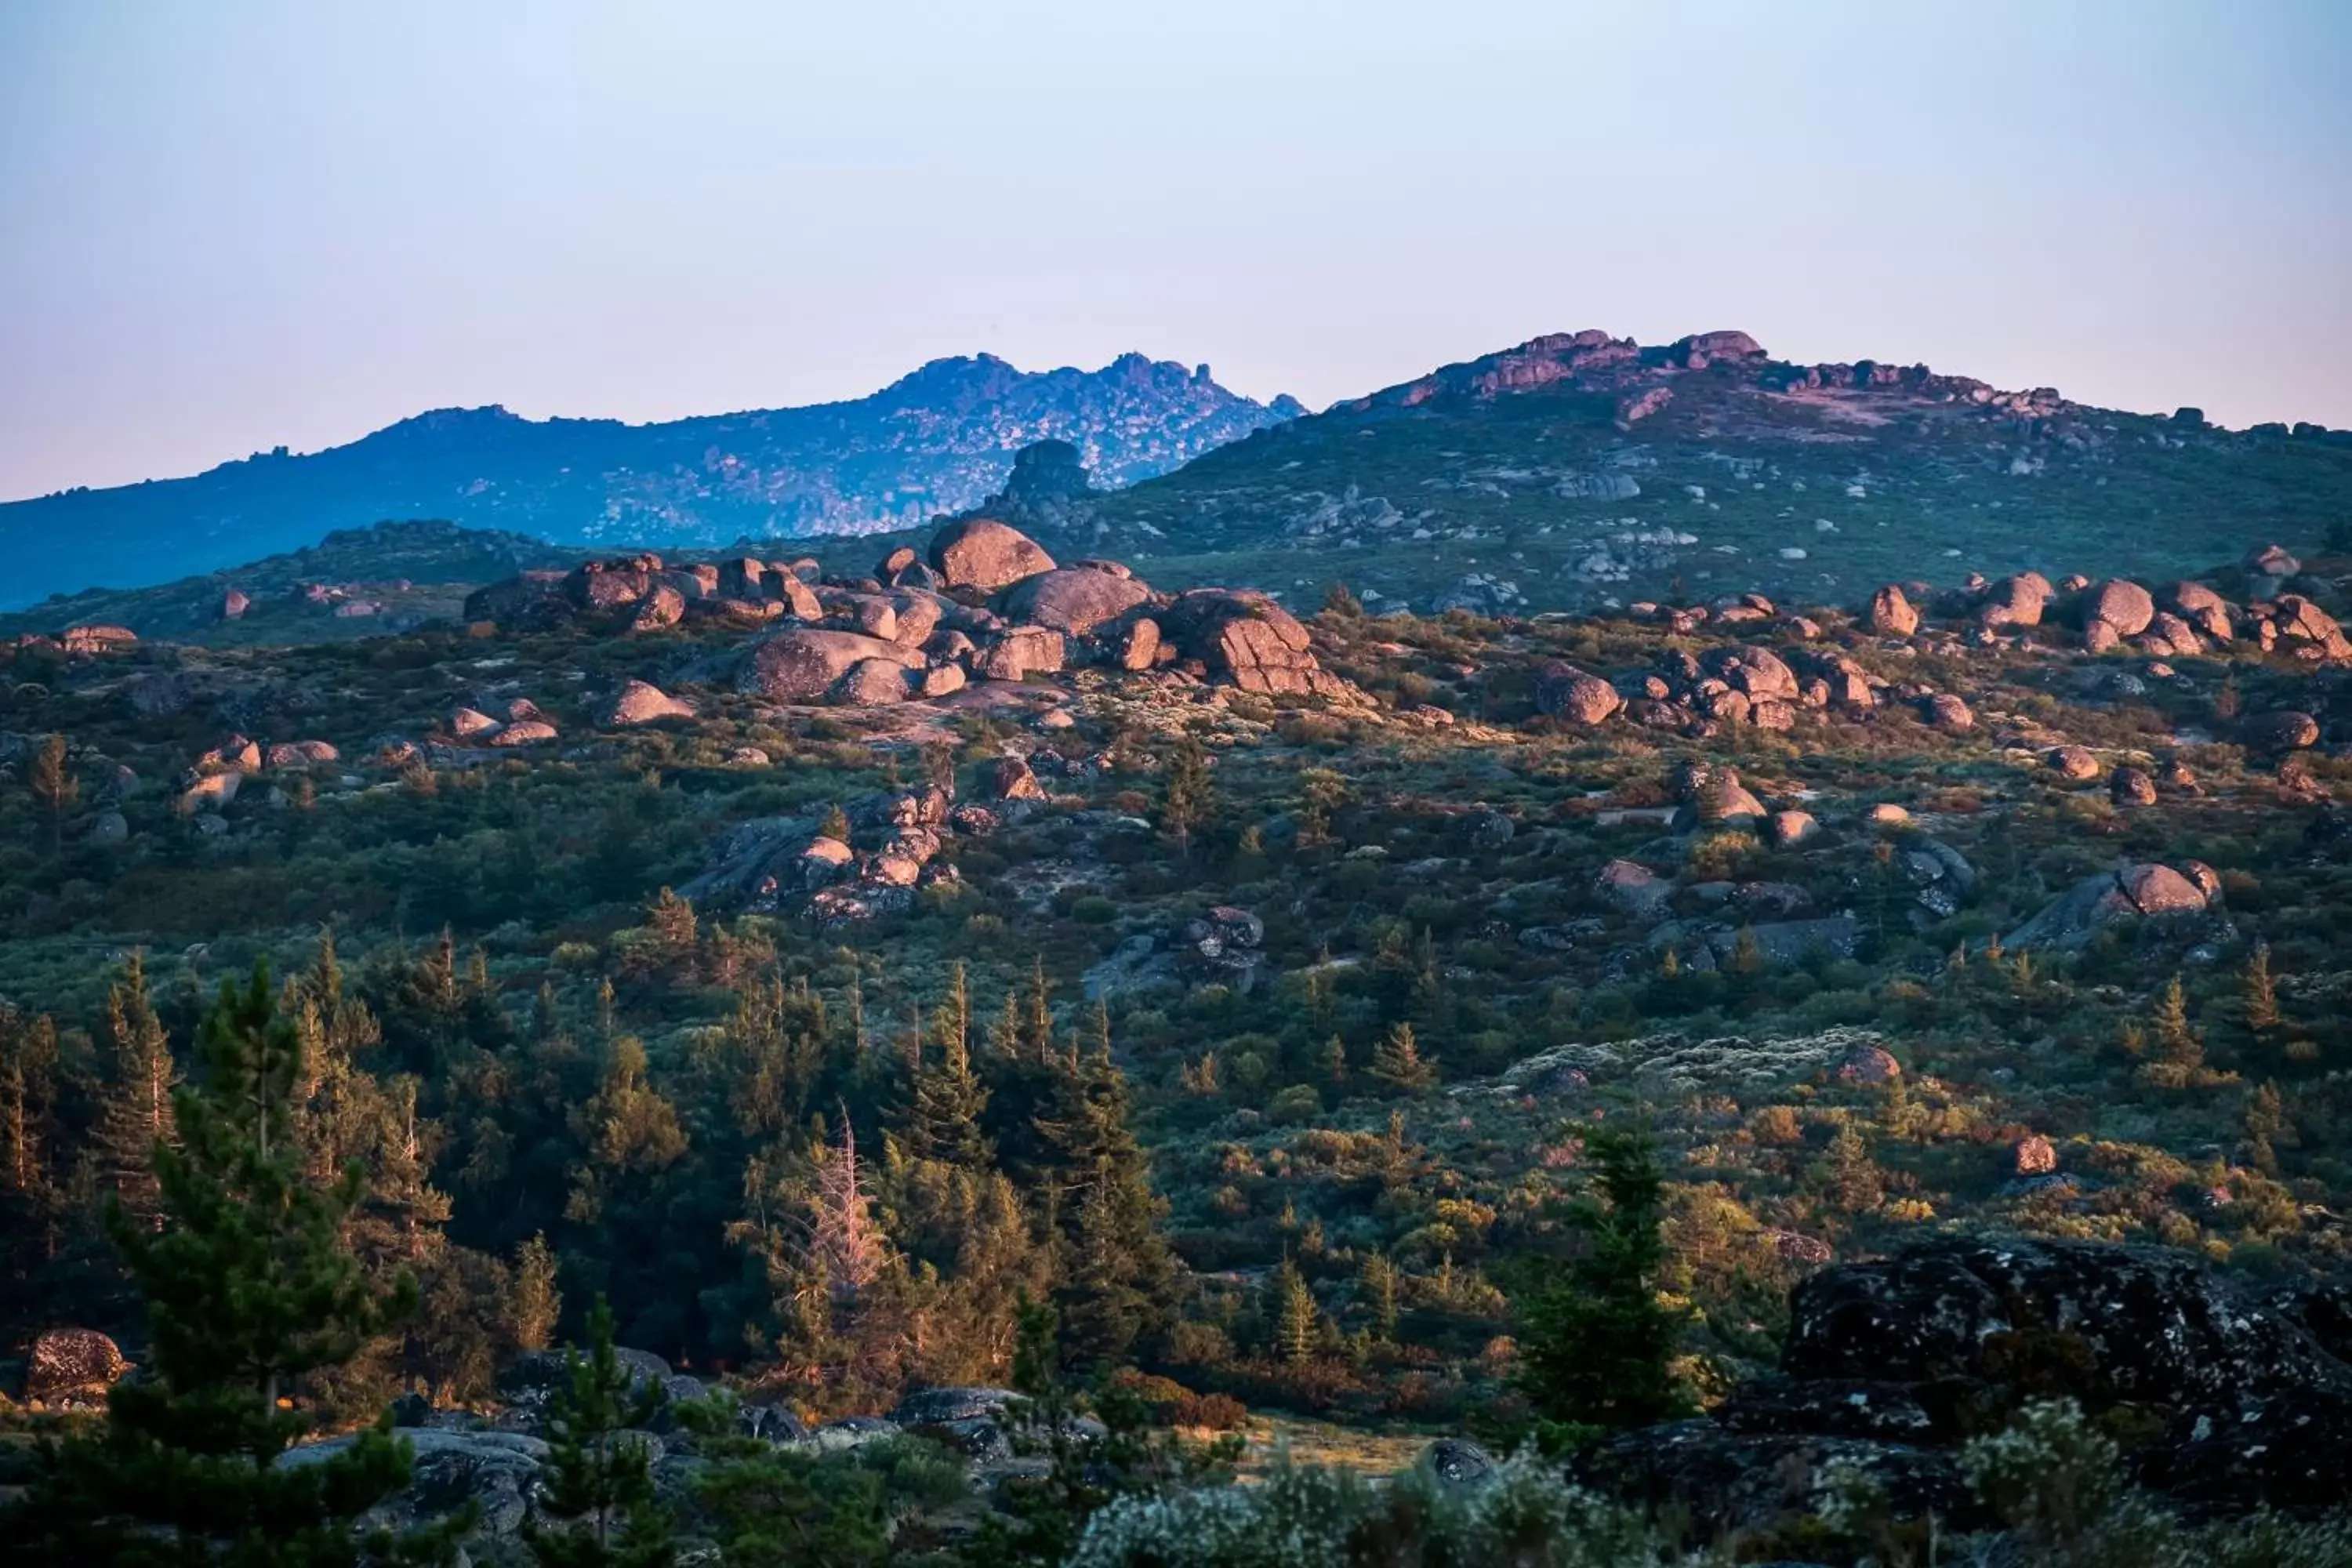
<point x="260" y="225"/>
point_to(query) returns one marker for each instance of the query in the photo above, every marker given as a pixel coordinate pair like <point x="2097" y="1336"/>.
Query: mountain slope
<point x="935" y="440"/>
<point x="1579" y="467"/>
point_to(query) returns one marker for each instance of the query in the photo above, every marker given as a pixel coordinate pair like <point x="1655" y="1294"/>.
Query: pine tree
<point x="2265" y="1121"/>
<point x="1599" y="1346"/>
<point x="2261" y="992"/>
<point x="53" y="786"/>
<point x="1398" y="1063"/>
<point x="1296" y="1318"/>
<point x="534" y="1304"/>
<point x="597" y="1480"/>
<point x="1189" y="797"/>
<point x="1118" y="1276"/>
<point x="1380" y="1291"/>
<point x="948" y="1099"/>
<point x="250" y="1292"/>
<point x="33" y="1201"/>
<point x="134" y="1114"/>
<point x="2177" y="1044"/>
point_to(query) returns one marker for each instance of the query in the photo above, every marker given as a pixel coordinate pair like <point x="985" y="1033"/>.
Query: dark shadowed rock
<point x="1719" y="1479"/>
<point x="2131" y="786"/>
<point x="1455" y="1462"/>
<point x="2138" y="1323"/>
<point x="2147" y="891"/>
<point x="2282" y="732"/>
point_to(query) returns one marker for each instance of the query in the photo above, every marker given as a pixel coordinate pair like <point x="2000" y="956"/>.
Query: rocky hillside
<point x="935" y="441"/>
<point x="355" y="582"/>
<point x="1581" y="467"/>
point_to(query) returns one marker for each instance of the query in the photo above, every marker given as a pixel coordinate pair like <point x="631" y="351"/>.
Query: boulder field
<point x="982" y="603"/>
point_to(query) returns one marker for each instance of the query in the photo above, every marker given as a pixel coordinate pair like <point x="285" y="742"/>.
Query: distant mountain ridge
<point x="935" y="440"/>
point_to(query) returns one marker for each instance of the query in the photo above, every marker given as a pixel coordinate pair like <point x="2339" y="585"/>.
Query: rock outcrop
<point x="2148" y="890"/>
<point x="1249" y="639"/>
<point x="1888" y="1366"/>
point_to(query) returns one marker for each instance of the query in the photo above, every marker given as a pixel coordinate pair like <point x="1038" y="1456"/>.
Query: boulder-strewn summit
<point x="933" y="442"/>
<point x="1581" y="466"/>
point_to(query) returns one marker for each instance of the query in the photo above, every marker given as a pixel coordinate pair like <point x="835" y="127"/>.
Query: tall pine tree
<point x="1599" y="1347"/>
<point x="134" y="1113"/>
<point x="250" y="1292"/>
<point x="598" y="1481"/>
<point x="1118" y="1275"/>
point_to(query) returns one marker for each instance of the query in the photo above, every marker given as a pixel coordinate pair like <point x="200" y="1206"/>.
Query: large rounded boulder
<point x="983" y="554"/>
<point x="804" y="665"/>
<point x="2125" y="606"/>
<point x="1564" y="691"/>
<point x="1075" y="600"/>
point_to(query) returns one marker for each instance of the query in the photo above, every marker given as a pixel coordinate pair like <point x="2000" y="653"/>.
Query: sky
<point x="243" y="223"/>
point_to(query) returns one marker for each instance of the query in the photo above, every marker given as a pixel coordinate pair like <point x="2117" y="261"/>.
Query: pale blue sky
<point x="230" y="225"/>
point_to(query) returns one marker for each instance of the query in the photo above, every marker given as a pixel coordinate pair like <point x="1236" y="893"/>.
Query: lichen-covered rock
<point x="294" y="754"/>
<point x="70" y="1367"/>
<point x="2138" y="1323"/>
<point x="1634" y="888"/>
<point x="982" y="553"/>
<point x="495" y="1473"/>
